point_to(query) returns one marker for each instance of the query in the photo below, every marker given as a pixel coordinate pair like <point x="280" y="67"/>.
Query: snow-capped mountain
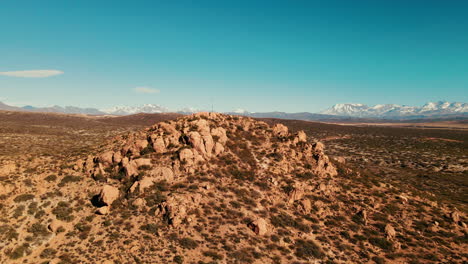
<point x="396" y="111"/>
<point x="129" y="110"/>
<point x="188" y="110"/>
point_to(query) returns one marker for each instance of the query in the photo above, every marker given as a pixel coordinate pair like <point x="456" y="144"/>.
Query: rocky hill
<point x="214" y="188"/>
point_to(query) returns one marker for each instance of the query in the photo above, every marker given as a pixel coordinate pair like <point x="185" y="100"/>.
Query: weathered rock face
<point x="176" y="207"/>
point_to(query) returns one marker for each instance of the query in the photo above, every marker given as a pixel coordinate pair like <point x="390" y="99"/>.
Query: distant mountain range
<point x="393" y="111"/>
<point x="336" y="112"/>
<point x="130" y="110"/>
<point x="53" y="109"/>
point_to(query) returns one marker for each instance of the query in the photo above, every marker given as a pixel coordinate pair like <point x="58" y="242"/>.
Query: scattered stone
<point x="54" y="225"/>
<point x="103" y="210"/>
<point x="390" y="232"/>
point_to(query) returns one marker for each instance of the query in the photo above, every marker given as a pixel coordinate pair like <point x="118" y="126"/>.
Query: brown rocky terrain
<point x="213" y="188"/>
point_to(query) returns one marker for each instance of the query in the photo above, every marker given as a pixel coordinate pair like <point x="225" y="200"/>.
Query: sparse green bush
<point x="38" y="229"/>
<point x="179" y="259"/>
<point x="381" y="243"/>
<point x="188" y="243"/>
<point x="8" y="233"/>
<point x="48" y="253"/>
<point x="212" y="254"/>
<point x="68" y="179"/>
<point x="150" y="228"/>
<point x="51" y="178"/>
<point x="63" y="211"/>
<point x="306" y="249"/>
<point x="23" y="197"/>
<point x="19" y="252"/>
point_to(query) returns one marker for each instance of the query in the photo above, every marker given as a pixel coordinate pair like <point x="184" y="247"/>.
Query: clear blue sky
<point x="257" y="55"/>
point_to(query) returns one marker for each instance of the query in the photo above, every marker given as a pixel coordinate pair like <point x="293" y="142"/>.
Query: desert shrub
<point x="391" y="209"/>
<point x="32" y="208"/>
<point x="149" y="149"/>
<point x="51" y="178"/>
<point x="150" y="228"/>
<point x="242" y="256"/>
<point x="18" y="211"/>
<point x="178" y="259"/>
<point x="23" y="197"/>
<point x="306" y="249"/>
<point x="212" y="254"/>
<point x="82" y="227"/>
<point x="8" y="233"/>
<point x="63" y="211"/>
<point x="378" y="260"/>
<point x="48" y="253"/>
<point x="144" y="167"/>
<point x="19" y="251"/>
<point x="38" y="229"/>
<point x="381" y="243"/>
<point x="155" y="199"/>
<point x="305" y="175"/>
<point x="243" y="175"/>
<point x="68" y="179"/>
<point x="285" y="220"/>
<point x="345" y="234"/>
<point x="275" y="156"/>
<point x="188" y="243"/>
<point x="262" y="185"/>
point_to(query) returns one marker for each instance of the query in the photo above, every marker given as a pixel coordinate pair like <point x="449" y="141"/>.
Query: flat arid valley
<point x="217" y="188"/>
<point x="233" y="132"/>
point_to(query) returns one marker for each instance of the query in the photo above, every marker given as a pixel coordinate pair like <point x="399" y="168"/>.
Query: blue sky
<point x="257" y="55"/>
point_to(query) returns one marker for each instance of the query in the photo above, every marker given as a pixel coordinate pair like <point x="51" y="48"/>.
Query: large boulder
<point x="108" y="194"/>
<point x="209" y="144"/>
<point x="218" y="149"/>
<point x="158" y="145"/>
<point x="259" y="226"/>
